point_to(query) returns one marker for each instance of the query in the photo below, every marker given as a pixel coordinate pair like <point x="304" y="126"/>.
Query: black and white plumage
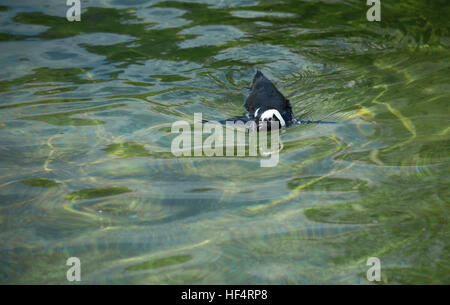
<point x="264" y="103"/>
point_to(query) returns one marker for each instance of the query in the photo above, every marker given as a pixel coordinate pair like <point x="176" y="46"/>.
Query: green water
<point x="85" y="164"/>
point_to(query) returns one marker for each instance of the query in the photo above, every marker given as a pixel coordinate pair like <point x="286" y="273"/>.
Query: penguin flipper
<point x="301" y="122"/>
<point x="236" y="119"/>
<point x="233" y="120"/>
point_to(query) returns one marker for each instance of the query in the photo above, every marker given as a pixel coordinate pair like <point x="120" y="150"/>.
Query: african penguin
<point x="264" y="103"/>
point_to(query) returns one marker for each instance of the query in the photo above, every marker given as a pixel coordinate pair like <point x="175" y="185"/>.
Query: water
<point x="86" y="169"/>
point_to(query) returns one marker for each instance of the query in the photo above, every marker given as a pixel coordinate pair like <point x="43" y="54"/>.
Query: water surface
<point x="85" y="163"/>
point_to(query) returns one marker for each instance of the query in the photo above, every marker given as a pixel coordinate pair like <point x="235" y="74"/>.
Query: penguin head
<point x="265" y="115"/>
